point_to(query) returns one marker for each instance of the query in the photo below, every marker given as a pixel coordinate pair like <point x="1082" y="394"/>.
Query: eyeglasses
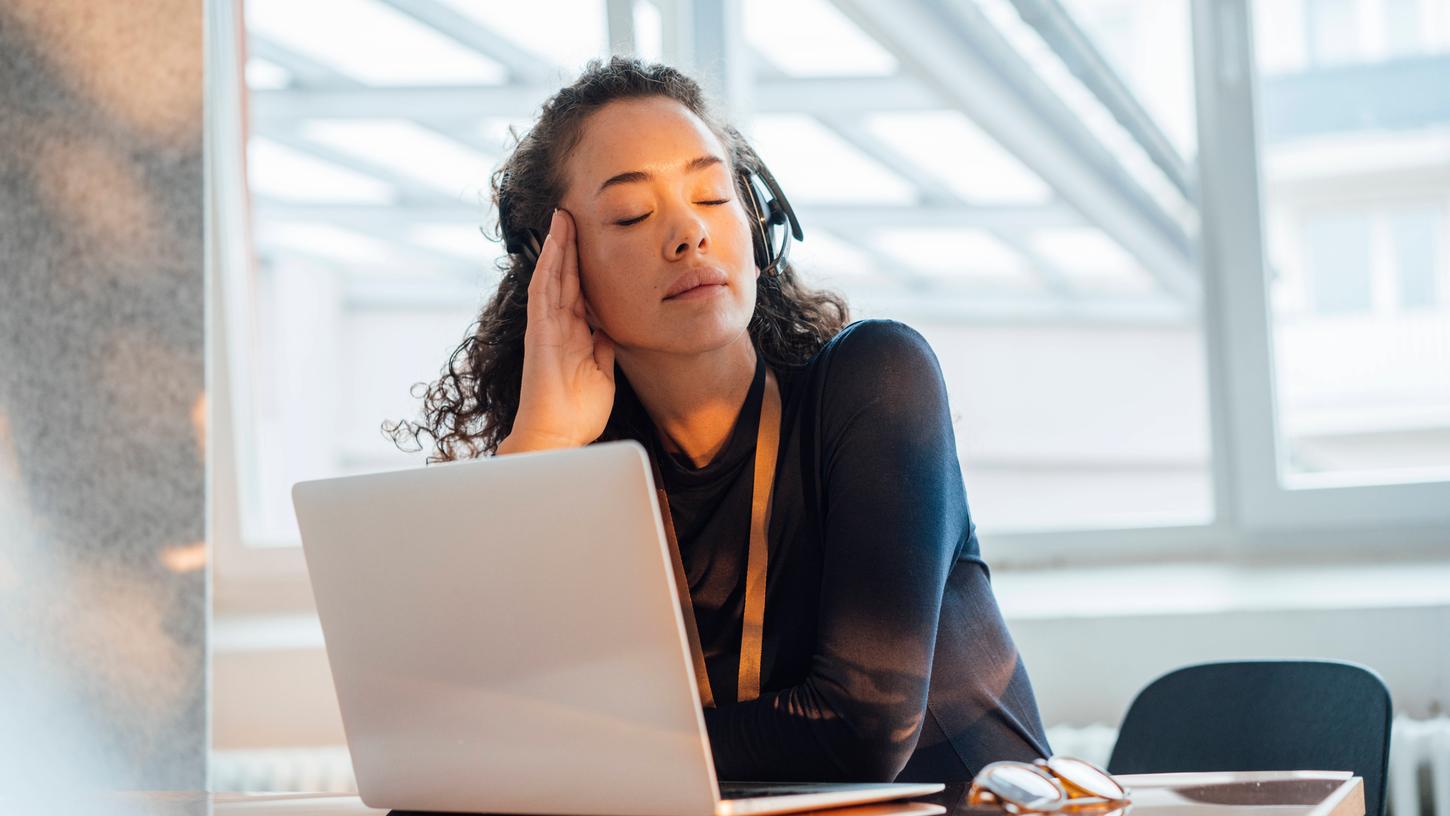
<point x="1048" y="785"/>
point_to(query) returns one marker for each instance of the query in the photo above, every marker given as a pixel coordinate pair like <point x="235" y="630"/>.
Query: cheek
<point x="740" y="238"/>
<point x="604" y="275"/>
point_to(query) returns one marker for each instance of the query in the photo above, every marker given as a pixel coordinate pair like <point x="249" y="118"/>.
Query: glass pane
<point x="1149" y="46"/>
<point x="1092" y="261"/>
<point x="947" y="144"/>
<point x="1356" y="201"/>
<point x="378" y="44"/>
<point x="1073" y="361"/>
<point x="813" y="164"/>
<point x="370" y="262"/>
<point x="812" y="38"/>
<point x="1333" y="30"/>
<point x="408" y="149"/>
<point x="1415" y="241"/>
<point x="1337" y="262"/>
<point x="1403" y="34"/>
<point x="1075" y="376"/>
<point x="565" y="34"/>
<point x="280" y="172"/>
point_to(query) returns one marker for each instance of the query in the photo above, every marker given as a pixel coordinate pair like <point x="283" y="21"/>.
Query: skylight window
<point x="563" y="33"/>
<point x="280" y="172"/>
<point x="814" y="165"/>
<point x="811" y="38"/>
<point x="458" y="239"/>
<point x="950" y="146"/>
<point x="822" y="256"/>
<point x="1047" y="66"/>
<point x="1091" y="260"/>
<point x="966" y="255"/>
<point x="328" y="242"/>
<point x="266" y="76"/>
<point x="370" y="42"/>
<point x="409" y="149"/>
<point x="494" y="132"/>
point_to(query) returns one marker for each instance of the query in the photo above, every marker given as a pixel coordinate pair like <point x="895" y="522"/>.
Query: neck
<point x="693" y="399"/>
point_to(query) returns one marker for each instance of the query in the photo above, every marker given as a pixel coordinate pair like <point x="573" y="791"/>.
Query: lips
<point x="699" y="276"/>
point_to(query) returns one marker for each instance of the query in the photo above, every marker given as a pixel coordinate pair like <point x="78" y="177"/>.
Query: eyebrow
<point x="693" y="165"/>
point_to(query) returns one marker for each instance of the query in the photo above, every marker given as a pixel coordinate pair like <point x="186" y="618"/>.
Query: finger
<point x="569" y="249"/>
<point x="541" y="285"/>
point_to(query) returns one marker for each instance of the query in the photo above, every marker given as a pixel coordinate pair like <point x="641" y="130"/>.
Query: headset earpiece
<point x="759" y="232"/>
<point x="766" y="213"/>
<point x="529" y="243"/>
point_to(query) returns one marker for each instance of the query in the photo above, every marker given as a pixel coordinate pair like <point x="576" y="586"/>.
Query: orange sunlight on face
<point x="675" y="213"/>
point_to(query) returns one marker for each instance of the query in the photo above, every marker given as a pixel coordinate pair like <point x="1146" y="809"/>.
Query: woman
<point x="883" y="654"/>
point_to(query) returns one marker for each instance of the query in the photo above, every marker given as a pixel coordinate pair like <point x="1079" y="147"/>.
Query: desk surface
<point x="1259" y="793"/>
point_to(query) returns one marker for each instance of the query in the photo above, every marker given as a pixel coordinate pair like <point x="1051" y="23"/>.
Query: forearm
<point x="799" y="734"/>
<point x="894" y="520"/>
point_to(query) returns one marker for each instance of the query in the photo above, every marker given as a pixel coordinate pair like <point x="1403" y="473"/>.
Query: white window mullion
<point x="1235" y="297"/>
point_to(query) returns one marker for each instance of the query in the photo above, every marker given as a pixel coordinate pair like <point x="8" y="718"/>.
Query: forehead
<point x="653" y="134"/>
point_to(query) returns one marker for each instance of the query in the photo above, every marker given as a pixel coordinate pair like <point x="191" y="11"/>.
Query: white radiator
<point x="1418" y="784"/>
<point x="327" y="769"/>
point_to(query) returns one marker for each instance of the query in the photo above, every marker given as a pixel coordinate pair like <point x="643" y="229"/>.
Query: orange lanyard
<point x="767" y="442"/>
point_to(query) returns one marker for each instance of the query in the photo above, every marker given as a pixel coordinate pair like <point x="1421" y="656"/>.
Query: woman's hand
<point x="568" y="381"/>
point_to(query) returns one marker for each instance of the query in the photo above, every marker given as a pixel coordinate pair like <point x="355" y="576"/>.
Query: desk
<point x="1258" y="793"/>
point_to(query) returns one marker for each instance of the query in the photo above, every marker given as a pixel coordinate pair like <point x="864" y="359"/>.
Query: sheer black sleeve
<point x="894" y="519"/>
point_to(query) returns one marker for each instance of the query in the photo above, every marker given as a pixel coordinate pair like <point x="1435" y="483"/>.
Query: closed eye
<point x="628" y="222"/>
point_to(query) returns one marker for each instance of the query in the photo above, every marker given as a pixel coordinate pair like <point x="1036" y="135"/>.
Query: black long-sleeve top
<point x="885" y="655"/>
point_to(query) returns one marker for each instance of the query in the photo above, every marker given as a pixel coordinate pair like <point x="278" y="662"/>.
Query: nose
<point x="686" y="231"/>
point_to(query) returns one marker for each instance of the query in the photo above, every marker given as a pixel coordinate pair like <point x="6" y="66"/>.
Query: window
<point x="1061" y="300"/>
<point x="370" y="264"/>
<point x="1354" y="196"/>
<point x="1170" y="326"/>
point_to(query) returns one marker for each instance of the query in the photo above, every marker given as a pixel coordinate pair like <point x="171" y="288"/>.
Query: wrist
<point x="523" y="441"/>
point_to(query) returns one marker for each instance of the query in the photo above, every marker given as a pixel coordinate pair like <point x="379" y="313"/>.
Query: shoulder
<point x="882" y="349"/>
<point x="879" y="367"/>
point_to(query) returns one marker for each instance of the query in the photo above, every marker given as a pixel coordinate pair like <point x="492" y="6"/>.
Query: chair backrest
<point x="1262" y="715"/>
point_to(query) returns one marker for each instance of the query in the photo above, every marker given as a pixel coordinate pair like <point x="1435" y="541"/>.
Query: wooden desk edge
<point x="1347" y="800"/>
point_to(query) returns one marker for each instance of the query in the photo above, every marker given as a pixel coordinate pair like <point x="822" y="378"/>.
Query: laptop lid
<point x="504" y="636"/>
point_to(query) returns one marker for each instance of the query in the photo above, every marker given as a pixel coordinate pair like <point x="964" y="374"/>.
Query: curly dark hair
<point x="470" y="409"/>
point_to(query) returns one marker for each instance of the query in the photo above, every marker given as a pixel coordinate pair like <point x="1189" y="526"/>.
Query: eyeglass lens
<point x="1086" y="777"/>
<point x="1023" y="784"/>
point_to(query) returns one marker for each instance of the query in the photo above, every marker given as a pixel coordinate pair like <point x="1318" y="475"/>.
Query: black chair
<point x="1262" y="715"/>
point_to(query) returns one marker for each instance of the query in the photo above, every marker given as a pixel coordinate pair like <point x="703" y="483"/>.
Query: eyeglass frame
<point x="1072" y="797"/>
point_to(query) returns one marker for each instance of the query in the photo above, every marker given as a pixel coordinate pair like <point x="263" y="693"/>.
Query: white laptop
<point x="505" y="637"/>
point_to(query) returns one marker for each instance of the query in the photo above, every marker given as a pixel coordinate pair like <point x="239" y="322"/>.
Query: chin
<point x="700" y="332"/>
<point x="707" y="336"/>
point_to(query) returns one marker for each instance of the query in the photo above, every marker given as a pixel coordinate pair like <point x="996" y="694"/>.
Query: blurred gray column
<point x="103" y="559"/>
<point x="706" y="39"/>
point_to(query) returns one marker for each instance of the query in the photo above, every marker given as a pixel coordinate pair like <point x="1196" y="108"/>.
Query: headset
<point x="765" y="206"/>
